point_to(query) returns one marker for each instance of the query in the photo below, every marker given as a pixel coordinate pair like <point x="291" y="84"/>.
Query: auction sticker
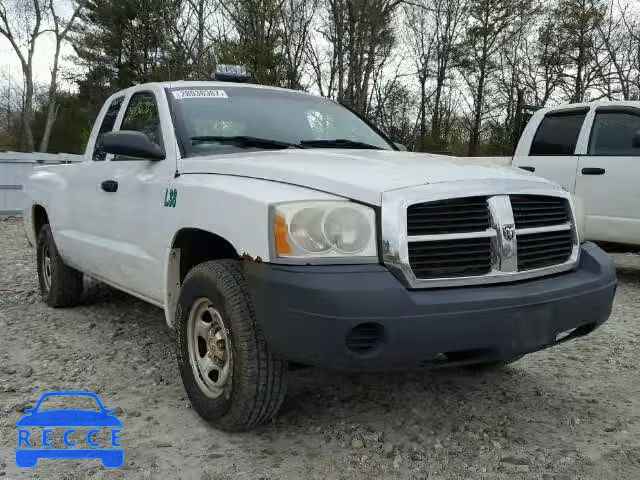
<point x="199" y="93"/>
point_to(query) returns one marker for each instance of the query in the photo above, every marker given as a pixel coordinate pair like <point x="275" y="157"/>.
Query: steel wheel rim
<point x="210" y="351"/>
<point x="46" y="266"/>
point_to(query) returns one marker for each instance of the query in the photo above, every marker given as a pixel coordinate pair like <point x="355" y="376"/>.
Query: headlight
<point x="581" y="219"/>
<point x="324" y="229"/>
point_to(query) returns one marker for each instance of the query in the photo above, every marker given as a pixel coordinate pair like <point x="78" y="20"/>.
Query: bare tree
<point x="421" y="39"/>
<point x="620" y="50"/>
<point x="336" y="35"/>
<point x="322" y="62"/>
<point x="393" y="110"/>
<point x="542" y="62"/>
<point x="632" y="32"/>
<point x="580" y="21"/>
<point x="350" y="49"/>
<point x="448" y="17"/>
<point x="11" y="103"/>
<point x="491" y="23"/>
<point x="60" y="29"/>
<point x="369" y="39"/>
<point x="189" y="34"/>
<point x="296" y="17"/>
<point x="20" y="23"/>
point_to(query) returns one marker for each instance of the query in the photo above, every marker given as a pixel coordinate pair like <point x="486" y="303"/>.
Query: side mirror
<point x="635" y="142"/>
<point x="130" y="143"/>
<point x="400" y="146"/>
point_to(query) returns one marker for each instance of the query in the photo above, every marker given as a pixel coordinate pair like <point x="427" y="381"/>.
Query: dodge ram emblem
<point x="509" y="232"/>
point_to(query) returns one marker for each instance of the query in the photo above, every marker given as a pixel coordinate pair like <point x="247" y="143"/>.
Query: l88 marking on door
<point x="170" y="197"/>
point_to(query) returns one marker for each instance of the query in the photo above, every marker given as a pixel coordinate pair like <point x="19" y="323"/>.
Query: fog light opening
<point x="365" y="338"/>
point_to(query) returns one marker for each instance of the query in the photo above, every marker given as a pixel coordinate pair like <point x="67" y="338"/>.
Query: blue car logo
<point x="33" y="445"/>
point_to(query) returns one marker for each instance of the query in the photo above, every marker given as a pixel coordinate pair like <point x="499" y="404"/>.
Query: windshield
<point x="278" y="118"/>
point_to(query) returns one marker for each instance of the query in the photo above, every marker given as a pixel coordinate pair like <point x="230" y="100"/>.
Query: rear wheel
<point x="233" y="379"/>
<point x="60" y="285"/>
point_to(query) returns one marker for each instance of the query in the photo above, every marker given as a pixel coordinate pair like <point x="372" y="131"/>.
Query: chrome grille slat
<point x="452" y="236"/>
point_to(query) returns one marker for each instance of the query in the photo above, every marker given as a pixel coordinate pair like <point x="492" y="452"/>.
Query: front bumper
<point x="360" y="317"/>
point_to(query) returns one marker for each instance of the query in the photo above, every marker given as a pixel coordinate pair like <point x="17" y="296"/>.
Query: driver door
<point x="138" y="215"/>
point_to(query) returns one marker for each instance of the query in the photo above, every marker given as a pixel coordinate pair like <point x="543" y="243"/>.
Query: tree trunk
<point x="517" y="121"/>
<point x="338" y="20"/>
<point x="201" y="55"/>
<point x="436" y="122"/>
<point x="423" y="110"/>
<point x="52" y="108"/>
<point x="474" y="140"/>
<point x="27" y="114"/>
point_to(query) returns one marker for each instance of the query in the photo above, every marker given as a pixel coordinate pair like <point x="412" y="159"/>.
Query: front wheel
<point x="233" y="379"/>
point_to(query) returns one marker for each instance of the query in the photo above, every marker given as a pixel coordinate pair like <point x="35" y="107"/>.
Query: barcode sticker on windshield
<point x="200" y="93"/>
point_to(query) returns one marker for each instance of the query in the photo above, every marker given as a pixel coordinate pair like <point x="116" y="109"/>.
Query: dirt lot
<point x="565" y="413"/>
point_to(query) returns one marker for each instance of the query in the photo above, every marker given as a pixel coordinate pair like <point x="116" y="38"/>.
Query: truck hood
<point x="361" y="175"/>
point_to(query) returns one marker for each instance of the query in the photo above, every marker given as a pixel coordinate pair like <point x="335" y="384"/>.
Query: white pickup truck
<point x="593" y="151"/>
<point x="274" y="226"/>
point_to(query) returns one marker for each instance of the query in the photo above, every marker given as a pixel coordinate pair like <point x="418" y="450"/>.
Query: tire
<point x="233" y="380"/>
<point x="60" y="285"/>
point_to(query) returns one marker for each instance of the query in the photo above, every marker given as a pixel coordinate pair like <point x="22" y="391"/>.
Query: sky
<point x="42" y="61"/>
<point x="43" y="56"/>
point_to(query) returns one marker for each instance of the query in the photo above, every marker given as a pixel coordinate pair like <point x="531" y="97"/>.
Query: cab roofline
<point x="218" y="83"/>
<point x="596" y="103"/>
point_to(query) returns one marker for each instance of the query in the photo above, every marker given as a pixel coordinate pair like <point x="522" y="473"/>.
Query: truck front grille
<point x="538" y="211"/>
<point x="488" y="237"/>
<point x="448" y="216"/>
<point x="450" y="258"/>
<point x="539" y="250"/>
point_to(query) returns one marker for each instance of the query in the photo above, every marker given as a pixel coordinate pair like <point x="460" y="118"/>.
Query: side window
<point x="108" y="122"/>
<point x="558" y="134"/>
<point x="142" y="116"/>
<point x="613" y="134"/>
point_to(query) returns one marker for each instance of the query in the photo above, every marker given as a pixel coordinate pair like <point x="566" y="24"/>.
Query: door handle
<point x="528" y="169"/>
<point x="593" y="171"/>
<point x="109" y="186"/>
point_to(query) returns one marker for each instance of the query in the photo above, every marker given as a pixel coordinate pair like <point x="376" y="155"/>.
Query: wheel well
<point x="198" y="246"/>
<point x="40" y="218"/>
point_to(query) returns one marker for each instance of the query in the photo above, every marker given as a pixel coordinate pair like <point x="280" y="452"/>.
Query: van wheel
<point x="60" y="285"/>
<point x="232" y="378"/>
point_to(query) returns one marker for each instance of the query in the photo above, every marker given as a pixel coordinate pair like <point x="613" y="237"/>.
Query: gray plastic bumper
<point x="360" y="317"/>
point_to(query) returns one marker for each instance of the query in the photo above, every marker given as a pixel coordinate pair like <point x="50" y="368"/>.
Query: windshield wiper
<point x="245" y="141"/>
<point x="338" y="143"/>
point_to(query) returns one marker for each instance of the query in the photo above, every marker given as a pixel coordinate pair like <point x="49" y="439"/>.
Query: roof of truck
<point x="218" y="83"/>
<point x="597" y="103"/>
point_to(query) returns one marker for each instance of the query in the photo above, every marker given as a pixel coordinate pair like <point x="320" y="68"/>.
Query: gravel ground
<point x="570" y="412"/>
